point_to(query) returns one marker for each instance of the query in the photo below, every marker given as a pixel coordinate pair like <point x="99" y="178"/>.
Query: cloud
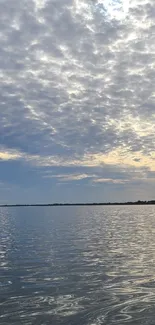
<point x="111" y="181"/>
<point x="77" y="85"/>
<point x="9" y="155"/>
<point x="70" y="177"/>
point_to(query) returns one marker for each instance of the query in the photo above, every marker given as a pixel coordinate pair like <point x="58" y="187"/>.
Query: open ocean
<point x="77" y="265"/>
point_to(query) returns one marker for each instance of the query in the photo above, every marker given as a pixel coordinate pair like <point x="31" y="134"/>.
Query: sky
<point x="77" y="100"/>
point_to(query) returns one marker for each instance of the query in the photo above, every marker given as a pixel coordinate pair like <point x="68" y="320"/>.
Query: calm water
<point x="77" y="265"/>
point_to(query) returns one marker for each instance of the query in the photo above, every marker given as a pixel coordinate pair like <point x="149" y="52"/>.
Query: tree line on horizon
<point x="81" y="204"/>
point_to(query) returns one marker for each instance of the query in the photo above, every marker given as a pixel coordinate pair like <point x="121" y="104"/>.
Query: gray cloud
<point x="77" y="84"/>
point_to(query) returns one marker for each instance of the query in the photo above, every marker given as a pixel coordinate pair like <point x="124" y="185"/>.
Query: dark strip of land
<point x="79" y="204"/>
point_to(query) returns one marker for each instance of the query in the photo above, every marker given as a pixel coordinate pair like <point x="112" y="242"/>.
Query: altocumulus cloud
<point x="77" y="91"/>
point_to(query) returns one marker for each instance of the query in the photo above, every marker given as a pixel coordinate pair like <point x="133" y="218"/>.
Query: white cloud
<point x="111" y="181"/>
<point x="70" y="177"/>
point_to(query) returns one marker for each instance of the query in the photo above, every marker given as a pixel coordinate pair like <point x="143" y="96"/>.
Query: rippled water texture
<point x="77" y="265"/>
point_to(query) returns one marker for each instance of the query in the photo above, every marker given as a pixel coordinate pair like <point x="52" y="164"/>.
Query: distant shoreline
<point x="78" y="204"/>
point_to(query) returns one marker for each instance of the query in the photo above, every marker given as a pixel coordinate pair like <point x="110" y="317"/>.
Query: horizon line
<point x="80" y="203"/>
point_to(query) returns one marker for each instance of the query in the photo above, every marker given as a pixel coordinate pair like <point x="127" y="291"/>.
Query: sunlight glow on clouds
<point x="6" y="155"/>
<point x="77" y="88"/>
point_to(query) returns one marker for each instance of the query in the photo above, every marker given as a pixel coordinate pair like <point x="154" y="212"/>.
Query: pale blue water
<point x="77" y="265"/>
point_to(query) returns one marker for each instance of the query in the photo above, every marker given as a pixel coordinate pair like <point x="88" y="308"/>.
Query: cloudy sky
<point x="77" y="100"/>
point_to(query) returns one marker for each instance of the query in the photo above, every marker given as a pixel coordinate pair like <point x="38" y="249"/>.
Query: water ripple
<point x="87" y="266"/>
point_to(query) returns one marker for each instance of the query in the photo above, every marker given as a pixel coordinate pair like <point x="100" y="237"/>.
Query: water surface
<point x="77" y="265"/>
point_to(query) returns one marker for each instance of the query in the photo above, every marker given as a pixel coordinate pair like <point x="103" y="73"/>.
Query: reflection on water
<point x="77" y="265"/>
